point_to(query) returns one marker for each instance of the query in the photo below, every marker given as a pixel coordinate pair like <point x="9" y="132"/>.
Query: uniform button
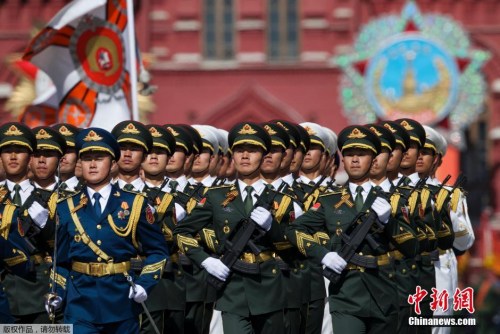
<point x="390" y="275"/>
<point x="99" y="226"/>
<point x="413" y="267"/>
<point x="179" y="272"/>
<point x="99" y="259"/>
<point x="45" y="272"/>
<point x="274" y="271"/>
<point x="403" y="271"/>
<point x="301" y="266"/>
<point x="99" y="242"/>
<point x="295" y="270"/>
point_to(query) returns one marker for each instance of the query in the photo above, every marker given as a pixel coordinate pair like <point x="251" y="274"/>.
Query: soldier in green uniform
<point x="311" y="177"/>
<point x="422" y="213"/>
<point x="167" y="215"/>
<point x="200" y="301"/>
<point x="69" y="183"/>
<point x="296" y="276"/>
<point x="403" y="237"/>
<point x="17" y="143"/>
<point x="362" y="300"/>
<point x="252" y="299"/>
<point x="135" y="143"/>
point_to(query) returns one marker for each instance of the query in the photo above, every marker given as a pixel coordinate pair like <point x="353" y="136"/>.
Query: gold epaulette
<point x="424" y="196"/>
<point x="6" y="220"/>
<point x="394" y="203"/>
<point x="3" y="192"/>
<point x="282" y="207"/>
<point x="455" y="198"/>
<point x="165" y="202"/>
<point x="52" y="204"/>
<point x="441" y="196"/>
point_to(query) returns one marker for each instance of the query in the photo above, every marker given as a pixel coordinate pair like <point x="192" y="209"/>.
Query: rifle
<point x="241" y="239"/>
<point x="355" y="238"/>
<point x="316" y="186"/>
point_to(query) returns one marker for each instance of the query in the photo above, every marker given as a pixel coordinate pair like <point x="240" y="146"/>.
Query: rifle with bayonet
<point x="244" y="237"/>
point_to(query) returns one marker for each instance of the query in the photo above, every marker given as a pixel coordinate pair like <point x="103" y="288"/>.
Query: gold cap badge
<point x="65" y="131"/>
<point x="388" y="126"/>
<point x="356" y="134"/>
<point x="375" y="131"/>
<point x="310" y="131"/>
<point x="13" y="131"/>
<point x="154" y="132"/>
<point x="42" y="134"/>
<point x="247" y="130"/>
<point x="269" y="130"/>
<point x="406" y="125"/>
<point x="130" y="128"/>
<point x="92" y="136"/>
<point x="173" y="132"/>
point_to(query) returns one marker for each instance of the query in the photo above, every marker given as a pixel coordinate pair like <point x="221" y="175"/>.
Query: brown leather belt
<point x="98" y="269"/>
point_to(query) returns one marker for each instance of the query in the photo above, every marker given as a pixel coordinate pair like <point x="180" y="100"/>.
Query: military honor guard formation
<point x="171" y="228"/>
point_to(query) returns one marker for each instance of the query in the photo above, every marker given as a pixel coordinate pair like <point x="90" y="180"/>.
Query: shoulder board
<point x="3" y="192"/>
<point x="133" y="192"/>
<point x="330" y="194"/>
<point x="66" y="195"/>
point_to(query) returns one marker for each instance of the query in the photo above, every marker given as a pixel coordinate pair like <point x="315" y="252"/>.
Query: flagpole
<point x="133" y="59"/>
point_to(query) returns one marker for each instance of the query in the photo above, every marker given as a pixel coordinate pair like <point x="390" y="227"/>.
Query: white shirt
<point x="288" y="179"/>
<point x="306" y="180"/>
<point x="182" y="182"/>
<point x="258" y="188"/>
<point x="25" y="191"/>
<point x="72" y="183"/>
<point x="105" y="193"/>
<point x="367" y="186"/>
<point x="386" y="185"/>
<point x="138" y="184"/>
<point x="207" y="181"/>
<point x="51" y="187"/>
<point x="414" y="179"/>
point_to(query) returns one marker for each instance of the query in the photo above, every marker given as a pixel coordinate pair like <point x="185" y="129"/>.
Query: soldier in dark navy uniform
<point x="100" y="229"/>
<point x="363" y="300"/>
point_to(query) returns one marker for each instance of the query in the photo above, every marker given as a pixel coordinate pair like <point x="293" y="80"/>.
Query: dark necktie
<point x="173" y="185"/>
<point x="128" y="187"/>
<point x="248" y="200"/>
<point x="97" y="204"/>
<point x="17" y="195"/>
<point x="359" y="198"/>
<point x="312" y="183"/>
<point x="270" y="186"/>
<point x="63" y="186"/>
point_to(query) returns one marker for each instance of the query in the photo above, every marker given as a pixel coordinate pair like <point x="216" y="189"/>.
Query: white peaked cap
<point x="208" y="137"/>
<point x="317" y="134"/>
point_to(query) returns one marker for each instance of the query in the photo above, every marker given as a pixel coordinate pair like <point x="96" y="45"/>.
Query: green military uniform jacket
<point x="223" y="209"/>
<point x="362" y="293"/>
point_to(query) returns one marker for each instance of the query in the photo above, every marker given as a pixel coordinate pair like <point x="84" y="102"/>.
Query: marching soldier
<point x="167" y="216"/>
<point x="69" y="182"/>
<point x="294" y="136"/>
<point x="252" y="299"/>
<point x="298" y="157"/>
<point x="17" y="143"/>
<point x="311" y="177"/>
<point x="296" y="275"/>
<point x="362" y="300"/>
<point x="421" y="212"/>
<point x="135" y="142"/>
<point x="100" y="229"/>
<point x="404" y="242"/>
<point x="14" y="256"/>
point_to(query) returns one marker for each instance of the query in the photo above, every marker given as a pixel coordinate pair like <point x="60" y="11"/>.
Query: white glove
<point x="334" y="261"/>
<point x="39" y="214"/>
<point x="140" y="294"/>
<point x="262" y="217"/>
<point x="382" y="208"/>
<point x="54" y="303"/>
<point x="180" y="213"/>
<point x="216" y="268"/>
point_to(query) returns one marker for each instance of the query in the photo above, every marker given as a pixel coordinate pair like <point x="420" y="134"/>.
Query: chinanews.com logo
<point x="462" y="299"/>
